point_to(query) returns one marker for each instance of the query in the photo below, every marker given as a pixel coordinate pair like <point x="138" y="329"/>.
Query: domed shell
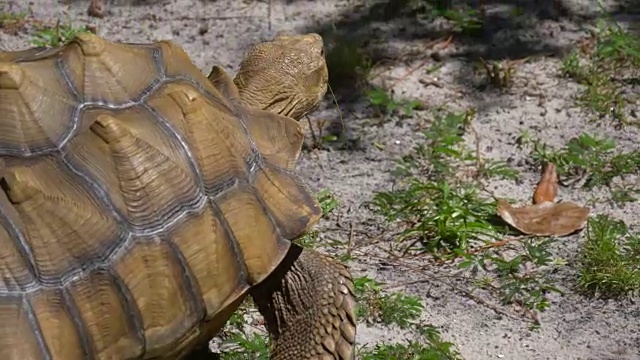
<point x="139" y="200"/>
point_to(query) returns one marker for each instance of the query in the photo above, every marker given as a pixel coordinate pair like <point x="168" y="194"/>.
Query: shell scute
<point x="215" y="136"/>
<point x="66" y="226"/>
<point x="16" y="267"/>
<point x="16" y="319"/>
<point x="53" y="315"/>
<point x="177" y="64"/>
<point x="104" y="308"/>
<point x="259" y="241"/>
<point x="139" y="208"/>
<point x="26" y="104"/>
<point x="209" y="251"/>
<point x="167" y="304"/>
<point x="287" y="200"/>
<point x="156" y="186"/>
<point x="101" y="71"/>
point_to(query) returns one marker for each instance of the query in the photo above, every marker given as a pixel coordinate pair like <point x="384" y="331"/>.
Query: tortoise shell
<point x="140" y="201"/>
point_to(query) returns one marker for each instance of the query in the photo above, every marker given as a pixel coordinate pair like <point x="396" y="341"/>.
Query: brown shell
<point x="139" y="203"/>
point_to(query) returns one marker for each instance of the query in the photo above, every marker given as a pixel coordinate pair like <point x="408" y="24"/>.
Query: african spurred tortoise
<point x="142" y="201"/>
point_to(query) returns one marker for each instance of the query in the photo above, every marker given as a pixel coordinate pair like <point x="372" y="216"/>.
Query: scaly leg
<point x="309" y="308"/>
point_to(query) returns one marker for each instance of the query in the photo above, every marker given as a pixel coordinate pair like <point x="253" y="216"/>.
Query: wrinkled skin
<point x="287" y="75"/>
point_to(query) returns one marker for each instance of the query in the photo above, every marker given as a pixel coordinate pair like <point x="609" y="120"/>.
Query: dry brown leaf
<point x="546" y="218"/>
<point x="547" y="187"/>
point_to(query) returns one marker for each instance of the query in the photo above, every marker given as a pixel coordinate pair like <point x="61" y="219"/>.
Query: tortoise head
<point x="287" y="75"/>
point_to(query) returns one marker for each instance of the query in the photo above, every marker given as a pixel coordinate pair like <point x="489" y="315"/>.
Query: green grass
<point x="12" y="22"/>
<point x="610" y="259"/>
<point x="464" y="19"/>
<point x="328" y="203"/>
<point x="57" y="35"/>
<point x="427" y="346"/>
<point x="396" y="309"/>
<point x="385" y="104"/>
<point x="518" y="278"/>
<point x="593" y="159"/>
<point x="441" y="209"/>
<point x="377" y="306"/>
<point x="606" y="70"/>
<point x="443" y="217"/>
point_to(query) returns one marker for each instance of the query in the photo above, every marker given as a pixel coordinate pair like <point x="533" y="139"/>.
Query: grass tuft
<point x="605" y="64"/>
<point x="610" y="259"/>
<point x="57" y="35"/>
<point x="589" y="157"/>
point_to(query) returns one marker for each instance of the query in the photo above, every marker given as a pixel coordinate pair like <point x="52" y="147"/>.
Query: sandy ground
<point x="219" y="32"/>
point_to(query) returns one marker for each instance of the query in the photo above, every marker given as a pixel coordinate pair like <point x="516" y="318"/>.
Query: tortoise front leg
<point x="309" y="308"/>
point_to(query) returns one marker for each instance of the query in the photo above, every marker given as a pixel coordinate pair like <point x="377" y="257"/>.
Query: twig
<point x="492" y="245"/>
<point x="350" y="239"/>
<point x="464" y="292"/>
<point x="269" y="15"/>
<point x="423" y="62"/>
<point x="313" y="134"/>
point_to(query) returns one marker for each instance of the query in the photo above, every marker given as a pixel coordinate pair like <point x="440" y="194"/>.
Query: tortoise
<point x="142" y="201"/>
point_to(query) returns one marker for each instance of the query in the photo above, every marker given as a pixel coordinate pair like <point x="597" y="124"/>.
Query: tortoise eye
<point x="322" y="52"/>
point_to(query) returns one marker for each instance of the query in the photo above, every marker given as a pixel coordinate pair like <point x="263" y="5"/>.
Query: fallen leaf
<point x="546" y="218"/>
<point x="547" y="187"/>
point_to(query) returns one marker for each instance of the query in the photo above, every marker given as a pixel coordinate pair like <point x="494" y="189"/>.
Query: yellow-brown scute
<point x="134" y="205"/>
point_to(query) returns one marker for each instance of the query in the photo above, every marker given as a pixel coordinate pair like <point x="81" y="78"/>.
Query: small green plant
<point x="622" y="194"/>
<point x="11" y="23"/>
<point x="241" y="342"/>
<point x="328" y="203"/>
<point x="514" y="279"/>
<point x="589" y="157"/>
<point x="379" y="307"/>
<point x="443" y="216"/>
<point x="57" y="35"/>
<point x="428" y="346"/>
<point x="444" y="154"/>
<point x="464" y="19"/>
<point x="247" y="347"/>
<point x="442" y="210"/>
<point x="610" y="259"/>
<point x="439" y="209"/>
<point x="572" y="66"/>
<point x="444" y="145"/>
<point x="386" y="105"/>
<point x="499" y="74"/>
<point x="600" y="67"/>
